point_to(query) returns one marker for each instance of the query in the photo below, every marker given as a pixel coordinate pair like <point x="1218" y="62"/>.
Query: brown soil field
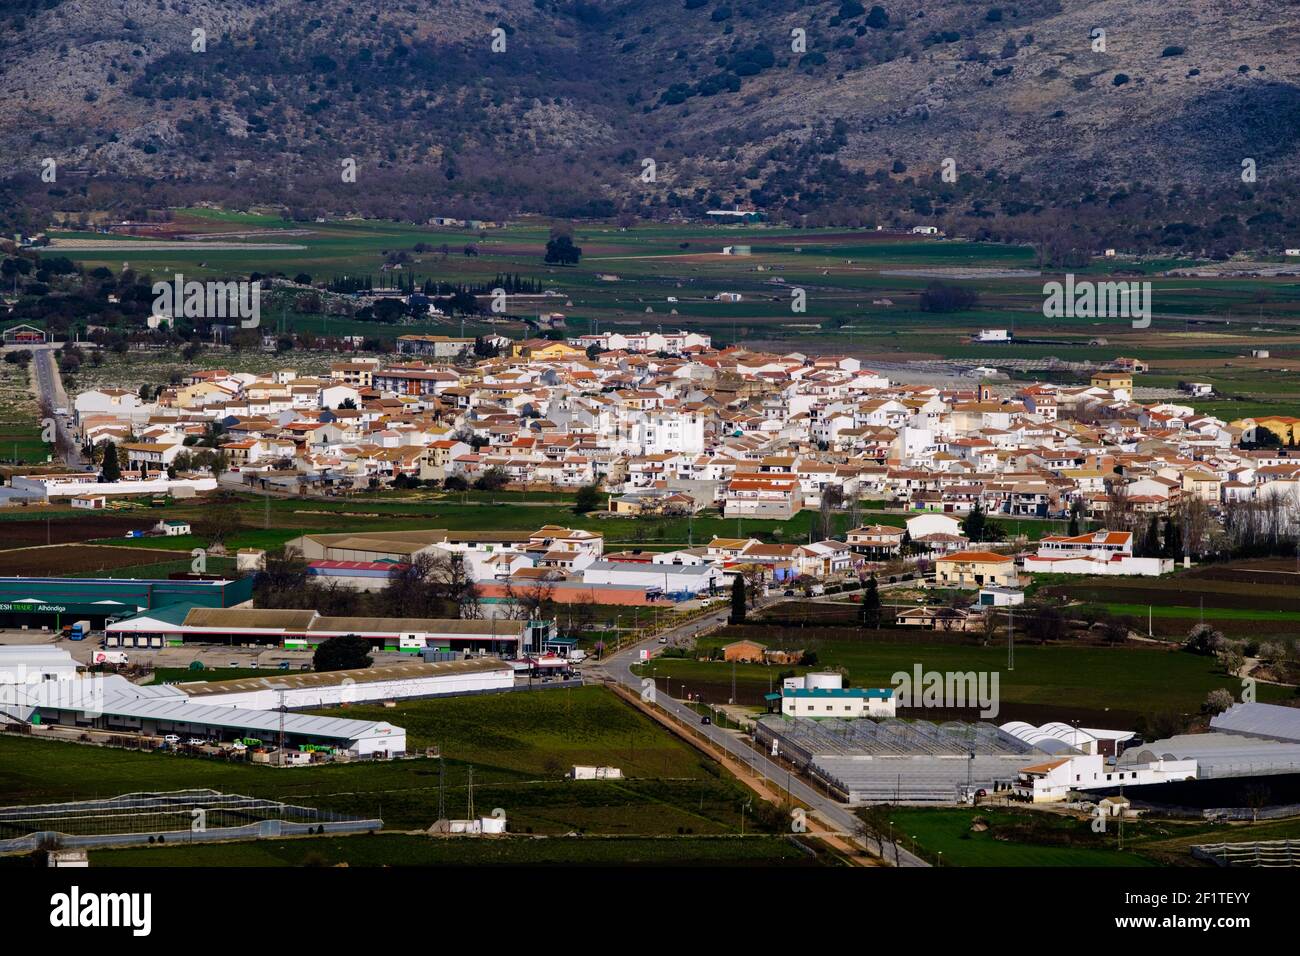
<point x="1267" y="571"/>
<point x="23" y="534"/>
<point x="72" y="558"/>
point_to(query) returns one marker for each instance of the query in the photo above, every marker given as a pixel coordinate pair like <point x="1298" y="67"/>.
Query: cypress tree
<point x="738" y="609"/>
<point x="871" y="604"/>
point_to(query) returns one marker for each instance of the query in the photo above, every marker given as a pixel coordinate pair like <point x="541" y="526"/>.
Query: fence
<point x="182" y="816"/>
<point x="1270" y="853"/>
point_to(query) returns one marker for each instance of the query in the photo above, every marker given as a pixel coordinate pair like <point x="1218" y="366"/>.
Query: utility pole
<point x="1011" y="638"/>
<point x="442" y="785"/>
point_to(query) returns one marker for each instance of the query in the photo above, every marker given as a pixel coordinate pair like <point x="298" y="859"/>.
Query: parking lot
<point x="211" y="656"/>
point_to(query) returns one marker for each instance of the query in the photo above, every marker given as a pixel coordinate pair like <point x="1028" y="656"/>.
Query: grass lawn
<point x="404" y="850"/>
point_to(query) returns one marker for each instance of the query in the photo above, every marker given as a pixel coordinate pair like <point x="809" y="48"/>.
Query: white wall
<point x="1149" y="567"/>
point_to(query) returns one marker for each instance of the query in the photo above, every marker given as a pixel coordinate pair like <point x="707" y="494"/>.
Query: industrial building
<point x="824" y="695"/>
<point x="1056" y="737"/>
<point x="35" y="664"/>
<point x="896" y="761"/>
<point x="325" y="689"/>
<point x="1264" y="721"/>
<point x="676" y="581"/>
<point x="113" y="703"/>
<point x="1219" y="755"/>
<point x="302" y="629"/>
<point x="50" y="603"/>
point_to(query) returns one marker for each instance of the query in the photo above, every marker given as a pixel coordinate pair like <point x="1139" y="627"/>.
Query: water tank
<point x="830" y="681"/>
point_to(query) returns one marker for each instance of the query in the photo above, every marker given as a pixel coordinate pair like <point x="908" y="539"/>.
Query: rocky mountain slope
<point x="718" y="93"/>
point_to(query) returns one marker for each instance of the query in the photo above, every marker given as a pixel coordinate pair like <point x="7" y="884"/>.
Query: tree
<point x="222" y="519"/>
<point x="561" y="251"/>
<point x="1217" y="701"/>
<point x="587" y="499"/>
<point x="870" y="613"/>
<point x="1045" y="624"/>
<point x="283" y="574"/>
<point x="111" y="470"/>
<point x="346" y="652"/>
<point x="738" y="605"/>
<point x="943" y="297"/>
<point x="1203" y="639"/>
<point x="973" y="524"/>
<point x="832" y="501"/>
<point x="494" y="479"/>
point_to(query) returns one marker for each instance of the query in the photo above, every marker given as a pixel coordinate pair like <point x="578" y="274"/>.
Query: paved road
<point x="49" y="390"/>
<point x="618" y="667"/>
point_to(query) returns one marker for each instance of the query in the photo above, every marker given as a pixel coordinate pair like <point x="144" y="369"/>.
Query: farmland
<point x="1251" y="599"/>
<point x="950" y="837"/>
<point x="1100" y="685"/>
<point x="990" y="836"/>
<point x="519" y="746"/>
<point x="405" y="850"/>
<point x="87" y="560"/>
<point x="57" y="526"/>
<point x="20" y="432"/>
<point x="269" y="523"/>
<point x="862" y="293"/>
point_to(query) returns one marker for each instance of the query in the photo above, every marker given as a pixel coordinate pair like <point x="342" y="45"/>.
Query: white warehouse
<point x="327" y="689"/>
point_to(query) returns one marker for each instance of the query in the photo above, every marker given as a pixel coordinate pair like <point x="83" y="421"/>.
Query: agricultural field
<point x="519" y="746"/>
<point x="161" y="366"/>
<point x="269" y="523"/>
<point x="20" y="430"/>
<point x="1018" y="837"/>
<point x="76" y="560"/>
<point x="1097" y="685"/>
<point x="385" y="849"/>
<point x="21" y="528"/>
<point x="1252" y="599"/>
<point x="862" y="292"/>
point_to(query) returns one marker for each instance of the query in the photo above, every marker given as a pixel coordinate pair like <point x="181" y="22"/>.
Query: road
<point x="50" y="393"/>
<point x="618" y="667"/>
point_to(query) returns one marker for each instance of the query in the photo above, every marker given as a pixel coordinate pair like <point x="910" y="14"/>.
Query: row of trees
<point x="428" y="586"/>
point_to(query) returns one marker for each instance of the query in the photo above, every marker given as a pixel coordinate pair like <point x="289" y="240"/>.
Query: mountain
<point x="853" y="128"/>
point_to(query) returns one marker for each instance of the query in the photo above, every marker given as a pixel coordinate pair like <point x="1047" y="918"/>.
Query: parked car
<point x="171" y="740"/>
<point x="195" y="742"/>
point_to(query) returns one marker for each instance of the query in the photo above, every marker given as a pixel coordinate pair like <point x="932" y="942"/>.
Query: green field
<point x="948" y="832"/>
<point x="520" y="747"/>
<point x="1118" y="681"/>
<point x="264" y="524"/>
<point x="1021" y="837"/>
<point x="846" y="274"/>
<point x="403" y="850"/>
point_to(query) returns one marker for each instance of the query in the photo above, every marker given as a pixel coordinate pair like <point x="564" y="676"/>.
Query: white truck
<point x="108" y="657"/>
